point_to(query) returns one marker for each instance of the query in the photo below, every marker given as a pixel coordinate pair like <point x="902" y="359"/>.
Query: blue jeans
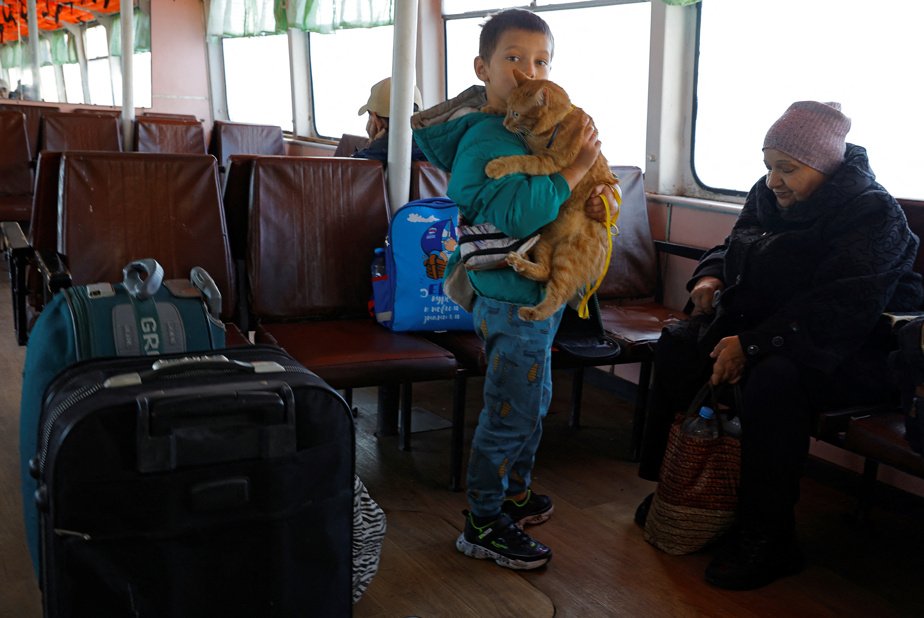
<point x="517" y="394"/>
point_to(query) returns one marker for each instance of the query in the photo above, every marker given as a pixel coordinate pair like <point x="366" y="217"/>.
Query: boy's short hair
<point x="510" y="19"/>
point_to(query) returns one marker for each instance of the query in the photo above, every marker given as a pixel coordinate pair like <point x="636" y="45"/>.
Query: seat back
<point x="349" y="144"/>
<point x="34" y="115"/>
<point x="632" y="273"/>
<point x="160" y="134"/>
<point x="314" y="223"/>
<point x="117" y="207"/>
<point x="15" y="170"/>
<point x="63" y="131"/>
<point x="43" y="226"/>
<point x="427" y="180"/>
<point x="230" y="138"/>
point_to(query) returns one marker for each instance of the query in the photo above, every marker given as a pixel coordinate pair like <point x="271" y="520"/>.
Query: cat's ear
<point x="520" y="76"/>
<point x="542" y="96"/>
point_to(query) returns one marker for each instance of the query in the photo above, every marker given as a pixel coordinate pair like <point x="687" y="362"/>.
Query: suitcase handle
<point x="165" y="367"/>
<point x="147" y="287"/>
<point x="214" y="425"/>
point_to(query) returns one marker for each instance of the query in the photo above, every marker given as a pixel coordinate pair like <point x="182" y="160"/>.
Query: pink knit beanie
<point x="813" y="133"/>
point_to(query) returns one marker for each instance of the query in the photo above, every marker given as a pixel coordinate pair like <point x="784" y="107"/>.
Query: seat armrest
<point x="55" y="275"/>
<point x="673" y="248"/>
<point x="14" y="239"/>
<point x="19" y="254"/>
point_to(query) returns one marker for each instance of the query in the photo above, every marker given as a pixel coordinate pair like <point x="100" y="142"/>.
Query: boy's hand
<point x="594" y="207"/>
<point x="590" y="148"/>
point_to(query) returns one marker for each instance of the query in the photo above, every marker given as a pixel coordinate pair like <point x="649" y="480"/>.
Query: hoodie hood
<point x="438" y="129"/>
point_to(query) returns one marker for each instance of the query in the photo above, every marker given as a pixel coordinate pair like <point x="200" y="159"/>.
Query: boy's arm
<point x="517" y="204"/>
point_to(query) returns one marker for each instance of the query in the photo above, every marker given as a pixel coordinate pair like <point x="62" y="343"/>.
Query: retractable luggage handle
<point x="146" y="287"/>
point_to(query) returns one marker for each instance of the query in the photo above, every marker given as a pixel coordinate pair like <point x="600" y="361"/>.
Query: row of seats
<point x="266" y="200"/>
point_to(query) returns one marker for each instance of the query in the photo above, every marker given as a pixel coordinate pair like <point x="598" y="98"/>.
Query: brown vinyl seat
<point x="313" y="224"/>
<point x="164" y="206"/>
<point x="230" y="138"/>
<point x="169" y="135"/>
<point x="62" y="131"/>
<point x="427" y="180"/>
<point x="630" y="296"/>
<point x="15" y="167"/>
<point x="34" y="115"/>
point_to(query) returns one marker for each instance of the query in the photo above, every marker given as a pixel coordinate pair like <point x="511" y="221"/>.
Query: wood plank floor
<point x="602" y="566"/>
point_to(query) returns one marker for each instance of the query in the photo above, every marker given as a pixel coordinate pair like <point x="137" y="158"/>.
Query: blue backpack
<point x="407" y="275"/>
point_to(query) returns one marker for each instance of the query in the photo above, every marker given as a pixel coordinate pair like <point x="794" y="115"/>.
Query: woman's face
<point x="790" y="180"/>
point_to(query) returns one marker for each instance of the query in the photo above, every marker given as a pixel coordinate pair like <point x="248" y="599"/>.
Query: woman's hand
<point x="729" y="361"/>
<point x="590" y="148"/>
<point x="704" y="294"/>
<point x="594" y="207"/>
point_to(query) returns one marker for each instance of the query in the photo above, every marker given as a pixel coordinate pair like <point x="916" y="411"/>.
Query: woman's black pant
<point x="780" y="400"/>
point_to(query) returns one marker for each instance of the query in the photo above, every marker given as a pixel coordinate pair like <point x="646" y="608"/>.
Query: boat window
<point x="754" y="63"/>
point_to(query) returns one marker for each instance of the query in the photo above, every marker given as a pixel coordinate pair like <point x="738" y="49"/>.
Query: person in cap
<point x="786" y="307"/>
<point x="379" y="109"/>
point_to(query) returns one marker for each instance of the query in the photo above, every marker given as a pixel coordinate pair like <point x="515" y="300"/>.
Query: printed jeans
<point x="517" y="394"/>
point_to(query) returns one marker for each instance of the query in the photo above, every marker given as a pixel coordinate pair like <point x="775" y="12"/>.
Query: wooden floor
<point x="601" y="566"/>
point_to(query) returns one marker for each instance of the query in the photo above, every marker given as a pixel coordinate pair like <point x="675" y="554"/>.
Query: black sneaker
<point x="534" y="509"/>
<point x="504" y="542"/>
<point x="751" y="559"/>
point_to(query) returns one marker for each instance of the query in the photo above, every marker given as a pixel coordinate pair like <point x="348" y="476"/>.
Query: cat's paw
<point x="516" y="261"/>
<point x="494" y="169"/>
<point x="529" y="314"/>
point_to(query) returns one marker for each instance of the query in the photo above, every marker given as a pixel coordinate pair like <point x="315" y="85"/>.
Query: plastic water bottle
<point x="378" y="263"/>
<point x="703" y="425"/>
<point x="731" y="426"/>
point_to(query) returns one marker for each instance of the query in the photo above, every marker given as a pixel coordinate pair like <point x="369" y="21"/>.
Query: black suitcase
<point x="204" y="485"/>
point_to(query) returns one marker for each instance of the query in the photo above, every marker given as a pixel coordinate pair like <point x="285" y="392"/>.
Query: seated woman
<point x="787" y="306"/>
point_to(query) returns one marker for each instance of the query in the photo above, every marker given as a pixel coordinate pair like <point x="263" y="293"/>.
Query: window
<point x="601" y="59"/>
<point x="98" y="72"/>
<point x="335" y="98"/>
<point x="257" y="80"/>
<point x="73" y="84"/>
<point x="754" y="63"/>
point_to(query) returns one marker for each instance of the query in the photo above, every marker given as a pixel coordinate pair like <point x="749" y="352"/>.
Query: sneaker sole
<point x="538" y="518"/>
<point x="483" y="553"/>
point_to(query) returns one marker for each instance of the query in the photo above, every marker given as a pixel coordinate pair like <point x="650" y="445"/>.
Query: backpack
<point x="407" y="274"/>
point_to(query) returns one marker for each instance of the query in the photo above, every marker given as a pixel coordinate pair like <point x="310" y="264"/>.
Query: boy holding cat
<point x="458" y="137"/>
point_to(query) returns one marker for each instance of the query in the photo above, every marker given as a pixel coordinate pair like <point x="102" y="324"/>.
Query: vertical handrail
<point x="402" y="103"/>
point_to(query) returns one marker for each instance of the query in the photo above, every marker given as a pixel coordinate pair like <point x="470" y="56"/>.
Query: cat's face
<point x="535" y="106"/>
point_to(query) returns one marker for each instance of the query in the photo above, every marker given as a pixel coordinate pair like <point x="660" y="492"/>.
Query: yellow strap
<point x="582" y="309"/>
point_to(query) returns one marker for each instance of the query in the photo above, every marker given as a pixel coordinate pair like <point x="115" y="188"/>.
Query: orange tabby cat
<point x="571" y="251"/>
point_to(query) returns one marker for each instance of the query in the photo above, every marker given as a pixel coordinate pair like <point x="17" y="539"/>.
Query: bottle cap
<point x="707" y="412"/>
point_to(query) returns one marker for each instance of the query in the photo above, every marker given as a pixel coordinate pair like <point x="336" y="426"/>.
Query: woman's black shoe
<point x="753" y="559"/>
<point x="641" y="512"/>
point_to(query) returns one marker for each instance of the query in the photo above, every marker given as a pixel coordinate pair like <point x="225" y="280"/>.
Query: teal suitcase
<point x="142" y="315"/>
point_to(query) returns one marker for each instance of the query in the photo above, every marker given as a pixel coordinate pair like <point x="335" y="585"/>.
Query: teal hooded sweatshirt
<point x="461" y="140"/>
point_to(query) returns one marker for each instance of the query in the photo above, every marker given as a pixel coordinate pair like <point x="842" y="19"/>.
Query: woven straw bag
<point x="697" y="494"/>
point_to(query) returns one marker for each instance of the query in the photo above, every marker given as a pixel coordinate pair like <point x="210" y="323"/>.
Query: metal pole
<point x="32" y="16"/>
<point x="127" y="23"/>
<point x="402" y="103"/>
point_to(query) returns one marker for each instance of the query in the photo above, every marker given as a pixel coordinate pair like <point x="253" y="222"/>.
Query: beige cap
<point x="380" y="99"/>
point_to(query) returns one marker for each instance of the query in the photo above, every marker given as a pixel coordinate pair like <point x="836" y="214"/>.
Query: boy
<point x="459" y="138"/>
